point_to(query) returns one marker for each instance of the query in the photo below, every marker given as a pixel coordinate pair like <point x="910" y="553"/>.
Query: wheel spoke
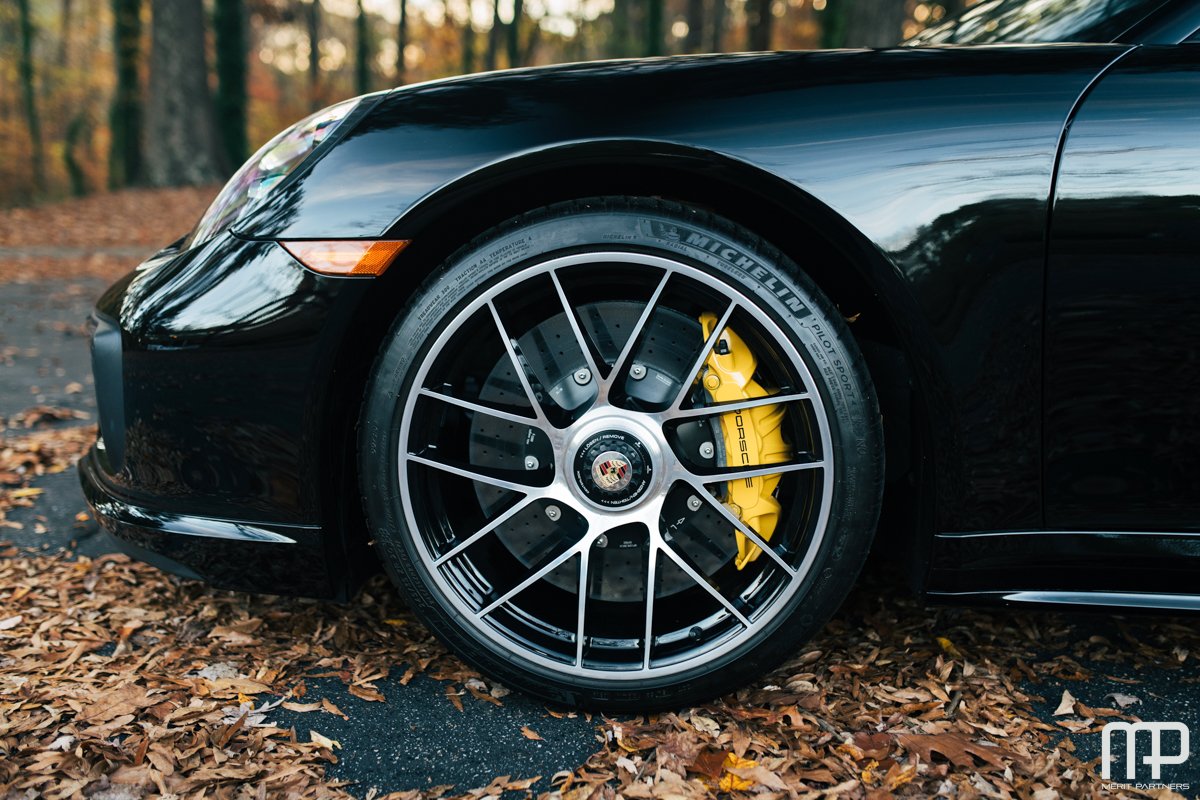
<point x="542" y="572"/>
<point x="738" y="405"/>
<point x="488" y="527"/>
<point x="638" y="328"/>
<point x="651" y="577"/>
<point x="472" y="474"/>
<point x="580" y="339"/>
<point x="516" y="363"/>
<point x="479" y="408"/>
<point x="581" y="613"/>
<point x="691" y="572"/>
<point x="467" y="430"/>
<point x="743" y="528"/>
<point x="709" y="344"/>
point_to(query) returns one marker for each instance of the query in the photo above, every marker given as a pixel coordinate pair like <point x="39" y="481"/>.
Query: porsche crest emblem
<point x="611" y="471"/>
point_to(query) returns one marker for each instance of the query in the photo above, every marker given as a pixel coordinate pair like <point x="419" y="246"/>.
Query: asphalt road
<point x="410" y="742"/>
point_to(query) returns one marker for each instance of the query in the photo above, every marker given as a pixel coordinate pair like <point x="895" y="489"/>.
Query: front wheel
<point x="620" y="453"/>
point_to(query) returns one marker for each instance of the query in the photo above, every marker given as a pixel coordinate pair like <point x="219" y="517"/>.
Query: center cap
<point x="613" y="469"/>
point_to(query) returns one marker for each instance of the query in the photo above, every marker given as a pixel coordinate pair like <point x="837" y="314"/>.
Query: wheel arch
<point x="863" y="283"/>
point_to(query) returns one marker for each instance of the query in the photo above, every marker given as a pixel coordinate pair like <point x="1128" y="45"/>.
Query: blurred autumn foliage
<point x="101" y="94"/>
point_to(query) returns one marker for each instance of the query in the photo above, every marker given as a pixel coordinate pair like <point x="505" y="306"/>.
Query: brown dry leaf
<point x="366" y="693"/>
<point x="1066" y="706"/>
<point x="454" y="697"/>
<point x="529" y="733"/>
<point x="329" y="708"/>
<point x="874" y="745"/>
<point x="324" y="741"/>
<point x="301" y="707"/>
<point x="116" y="702"/>
<point x="956" y="747"/>
<point x="710" y="763"/>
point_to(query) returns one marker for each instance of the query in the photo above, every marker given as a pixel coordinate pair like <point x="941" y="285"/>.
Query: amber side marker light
<point x="346" y="256"/>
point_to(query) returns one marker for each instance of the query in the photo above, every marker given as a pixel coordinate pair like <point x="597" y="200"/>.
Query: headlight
<point x="270" y="165"/>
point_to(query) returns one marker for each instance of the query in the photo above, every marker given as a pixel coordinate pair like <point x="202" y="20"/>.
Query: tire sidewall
<point x="763" y="274"/>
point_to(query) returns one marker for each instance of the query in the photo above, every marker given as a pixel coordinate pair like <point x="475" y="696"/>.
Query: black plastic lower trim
<point x="251" y="557"/>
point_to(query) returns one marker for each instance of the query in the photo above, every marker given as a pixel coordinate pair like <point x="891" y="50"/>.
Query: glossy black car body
<point x="1015" y="232"/>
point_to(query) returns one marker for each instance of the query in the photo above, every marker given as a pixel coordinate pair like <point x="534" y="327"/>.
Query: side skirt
<point x="1152" y="571"/>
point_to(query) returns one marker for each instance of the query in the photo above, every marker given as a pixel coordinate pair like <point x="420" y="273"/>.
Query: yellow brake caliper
<point x="752" y="436"/>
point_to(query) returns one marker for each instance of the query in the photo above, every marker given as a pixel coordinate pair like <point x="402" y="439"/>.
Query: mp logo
<point x="1156" y="759"/>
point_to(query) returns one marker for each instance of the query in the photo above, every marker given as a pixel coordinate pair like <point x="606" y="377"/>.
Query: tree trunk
<point x="833" y="23"/>
<point x="362" y="52"/>
<point x="717" y="30"/>
<point x="79" y="130"/>
<point x="401" y="42"/>
<point x="64" y="31"/>
<point x="182" y="146"/>
<point x="314" y="54"/>
<point x="494" y="34"/>
<point x="654" y="28"/>
<point x="874" y="23"/>
<point x="468" y="42"/>
<point x="228" y="25"/>
<point x="514" y="35"/>
<point x="532" y="42"/>
<point x="125" y="121"/>
<point x="30" y="97"/>
<point x="618" y="44"/>
<point x="694" y="42"/>
<point x="758" y="24"/>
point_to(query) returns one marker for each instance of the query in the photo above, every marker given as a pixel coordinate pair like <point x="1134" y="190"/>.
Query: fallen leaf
<point x="366" y="694"/>
<point x="1123" y="700"/>
<point x="529" y="733"/>
<point x="324" y="741"/>
<point x="1066" y="705"/>
<point x="126" y="699"/>
<point x="948" y="647"/>
<point x="301" y="707"/>
<point x="955" y="747"/>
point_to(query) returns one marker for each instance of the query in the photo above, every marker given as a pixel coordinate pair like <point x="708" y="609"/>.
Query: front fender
<point x="934" y="164"/>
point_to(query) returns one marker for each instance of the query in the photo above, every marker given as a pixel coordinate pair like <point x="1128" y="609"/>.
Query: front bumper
<point x="221" y="420"/>
<point x="229" y="555"/>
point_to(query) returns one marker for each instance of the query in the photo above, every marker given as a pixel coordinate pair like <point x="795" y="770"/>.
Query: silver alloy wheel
<point x="739" y="603"/>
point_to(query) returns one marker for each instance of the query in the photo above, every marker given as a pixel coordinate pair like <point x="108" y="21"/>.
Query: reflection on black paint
<point x="226" y="352"/>
<point x="942" y="159"/>
<point x="1123" y="344"/>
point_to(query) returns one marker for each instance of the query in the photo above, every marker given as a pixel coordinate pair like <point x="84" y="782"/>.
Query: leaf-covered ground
<point x="100" y="236"/>
<point x="118" y="681"/>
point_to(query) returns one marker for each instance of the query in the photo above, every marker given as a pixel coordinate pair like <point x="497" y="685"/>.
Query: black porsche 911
<point x="614" y="367"/>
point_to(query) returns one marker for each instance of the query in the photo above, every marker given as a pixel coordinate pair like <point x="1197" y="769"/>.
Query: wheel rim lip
<point x="477" y="621"/>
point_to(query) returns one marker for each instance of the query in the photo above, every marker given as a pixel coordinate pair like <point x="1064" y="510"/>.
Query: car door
<point x="1122" y="349"/>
